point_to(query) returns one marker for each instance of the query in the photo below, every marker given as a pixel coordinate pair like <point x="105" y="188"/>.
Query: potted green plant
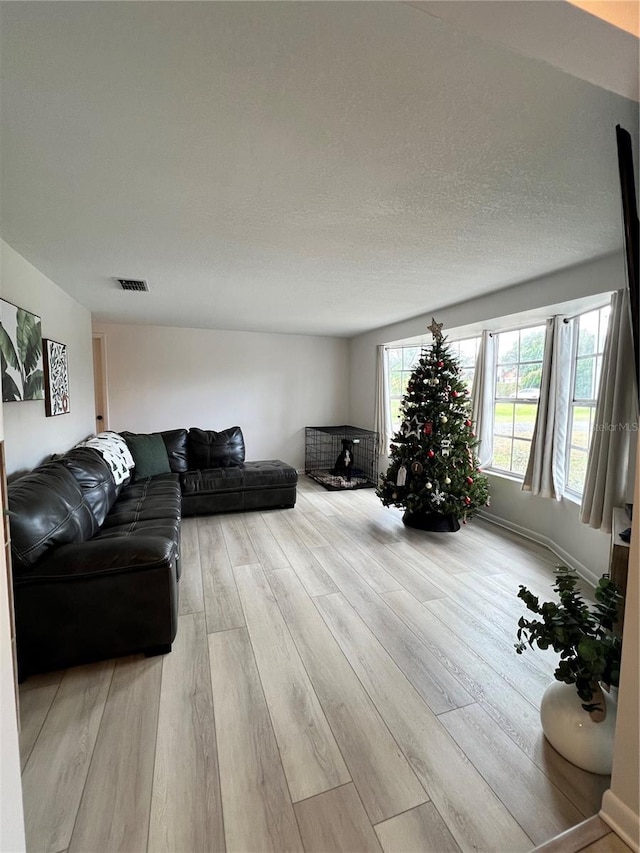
<point x="578" y="718"/>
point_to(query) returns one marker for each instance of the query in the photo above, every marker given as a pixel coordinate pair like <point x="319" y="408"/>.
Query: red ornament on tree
<point x="469" y="480"/>
<point x="467" y="423"/>
<point x="454" y="394"/>
<point x="467" y="500"/>
<point x="441" y="364"/>
<point x="428" y="428"/>
<point x="431" y="454"/>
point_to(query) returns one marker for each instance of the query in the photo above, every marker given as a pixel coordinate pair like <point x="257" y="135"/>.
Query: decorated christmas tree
<point x="433" y="473"/>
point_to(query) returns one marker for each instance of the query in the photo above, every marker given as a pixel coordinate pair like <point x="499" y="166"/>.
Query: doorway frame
<point x="103" y="373"/>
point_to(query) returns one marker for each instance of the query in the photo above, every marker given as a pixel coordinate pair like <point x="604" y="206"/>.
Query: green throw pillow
<point x="150" y="455"/>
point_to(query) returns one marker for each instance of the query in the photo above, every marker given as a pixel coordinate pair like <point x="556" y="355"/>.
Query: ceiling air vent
<point x="136" y="284"/>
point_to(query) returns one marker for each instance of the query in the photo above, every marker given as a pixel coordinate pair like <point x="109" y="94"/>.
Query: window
<point x="590" y="330"/>
<point x="466" y="352"/>
<point x="517" y="391"/>
<point x="402" y="360"/>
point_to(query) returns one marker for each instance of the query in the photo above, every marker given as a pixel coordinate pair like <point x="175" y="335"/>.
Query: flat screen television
<point x="631" y="238"/>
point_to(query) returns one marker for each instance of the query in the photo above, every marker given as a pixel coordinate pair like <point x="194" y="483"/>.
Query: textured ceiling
<point x="319" y="168"/>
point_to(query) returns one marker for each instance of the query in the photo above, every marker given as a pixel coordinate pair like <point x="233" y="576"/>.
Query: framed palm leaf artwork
<point x="56" y="378"/>
<point x="20" y="354"/>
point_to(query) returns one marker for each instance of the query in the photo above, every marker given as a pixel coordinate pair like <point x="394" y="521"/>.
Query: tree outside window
<point x="517" y="392"/>
<point x="401" y="361"/>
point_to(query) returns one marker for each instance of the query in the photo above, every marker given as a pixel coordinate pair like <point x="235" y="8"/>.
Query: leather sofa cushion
<point x="210" y="449"/>
<point x="95" y="479"/>
<point x="47" y="509"/>
<point x="251" y="475"/>
<point x="154" y="498"/>
<point x="163" y="484"/>
<point x="167" y="528"/>
<point x="175" y="441"/>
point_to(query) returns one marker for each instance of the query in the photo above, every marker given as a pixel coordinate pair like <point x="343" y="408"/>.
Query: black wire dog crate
<point x="325" y="460"/>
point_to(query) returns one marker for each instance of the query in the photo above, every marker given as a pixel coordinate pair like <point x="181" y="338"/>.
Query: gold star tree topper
<point x="436" y="329"/>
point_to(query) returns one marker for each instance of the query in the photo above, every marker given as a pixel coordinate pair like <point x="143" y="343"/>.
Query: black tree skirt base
<point x="431" y="521"/>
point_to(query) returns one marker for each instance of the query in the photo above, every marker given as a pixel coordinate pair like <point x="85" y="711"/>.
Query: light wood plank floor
<point x="338" y="683"/>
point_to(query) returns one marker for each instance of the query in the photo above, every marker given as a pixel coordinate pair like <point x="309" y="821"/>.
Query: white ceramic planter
<point x="572" y="732"/>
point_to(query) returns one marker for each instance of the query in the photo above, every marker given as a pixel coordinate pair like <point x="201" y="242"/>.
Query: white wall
<point x="271" y="385"/>
<point x="12" y="838"/>
<point x="621" y="803"/>
<point x="553" y="523"/>
<point x="29" y="435"/>
<point x="547" y="520"/>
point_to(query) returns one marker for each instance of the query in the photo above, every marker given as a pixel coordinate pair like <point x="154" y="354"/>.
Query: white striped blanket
<point x="115" y="453"/>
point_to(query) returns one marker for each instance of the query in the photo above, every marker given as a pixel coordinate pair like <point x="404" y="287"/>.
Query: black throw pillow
<point x="210" y="449"/>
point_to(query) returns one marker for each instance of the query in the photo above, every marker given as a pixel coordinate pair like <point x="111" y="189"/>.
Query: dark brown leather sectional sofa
<point x="96" y="566"/>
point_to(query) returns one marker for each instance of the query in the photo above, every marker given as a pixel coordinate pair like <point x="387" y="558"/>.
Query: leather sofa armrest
<point x="104" y="556"/>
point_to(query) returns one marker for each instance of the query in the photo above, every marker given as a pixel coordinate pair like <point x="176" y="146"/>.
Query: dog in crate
<point x="344" y="462"/>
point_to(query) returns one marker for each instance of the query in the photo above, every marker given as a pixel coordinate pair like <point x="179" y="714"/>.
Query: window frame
<point x="590" y="403"/>
<point x="397" y="397"/>
<point x="478" y="340"/>
<point x="514" y="401"/>
<point x="393" y="397"/>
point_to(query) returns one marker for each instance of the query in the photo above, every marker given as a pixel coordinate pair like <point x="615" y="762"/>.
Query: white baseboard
<point x="564" y="556"/>
<point x="622" y="820"/>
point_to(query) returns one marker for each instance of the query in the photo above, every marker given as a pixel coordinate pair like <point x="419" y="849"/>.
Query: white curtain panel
<point x="484" y="380"/>
<point x="382" y="415"/>
<point x="545" y="475"/>
<point x="608" y="467"/>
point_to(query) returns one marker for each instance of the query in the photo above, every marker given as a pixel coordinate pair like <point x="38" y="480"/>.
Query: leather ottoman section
<point x="250" y="475"/>
<point x="280" y="496"/>
<point x="207" y="504"/>
<point x="96" y="600"/>
<point x="253" y="485"/>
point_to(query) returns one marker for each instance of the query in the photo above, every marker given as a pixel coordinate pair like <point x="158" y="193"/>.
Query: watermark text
<point x="621" y="426"/>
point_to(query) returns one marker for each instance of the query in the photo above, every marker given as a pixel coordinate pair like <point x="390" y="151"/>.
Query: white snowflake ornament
<point x="438" y="497"/>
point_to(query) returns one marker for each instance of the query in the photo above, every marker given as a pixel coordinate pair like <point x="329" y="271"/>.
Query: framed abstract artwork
<point x="20" y="354"/>
<point x="56" y="379"/>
